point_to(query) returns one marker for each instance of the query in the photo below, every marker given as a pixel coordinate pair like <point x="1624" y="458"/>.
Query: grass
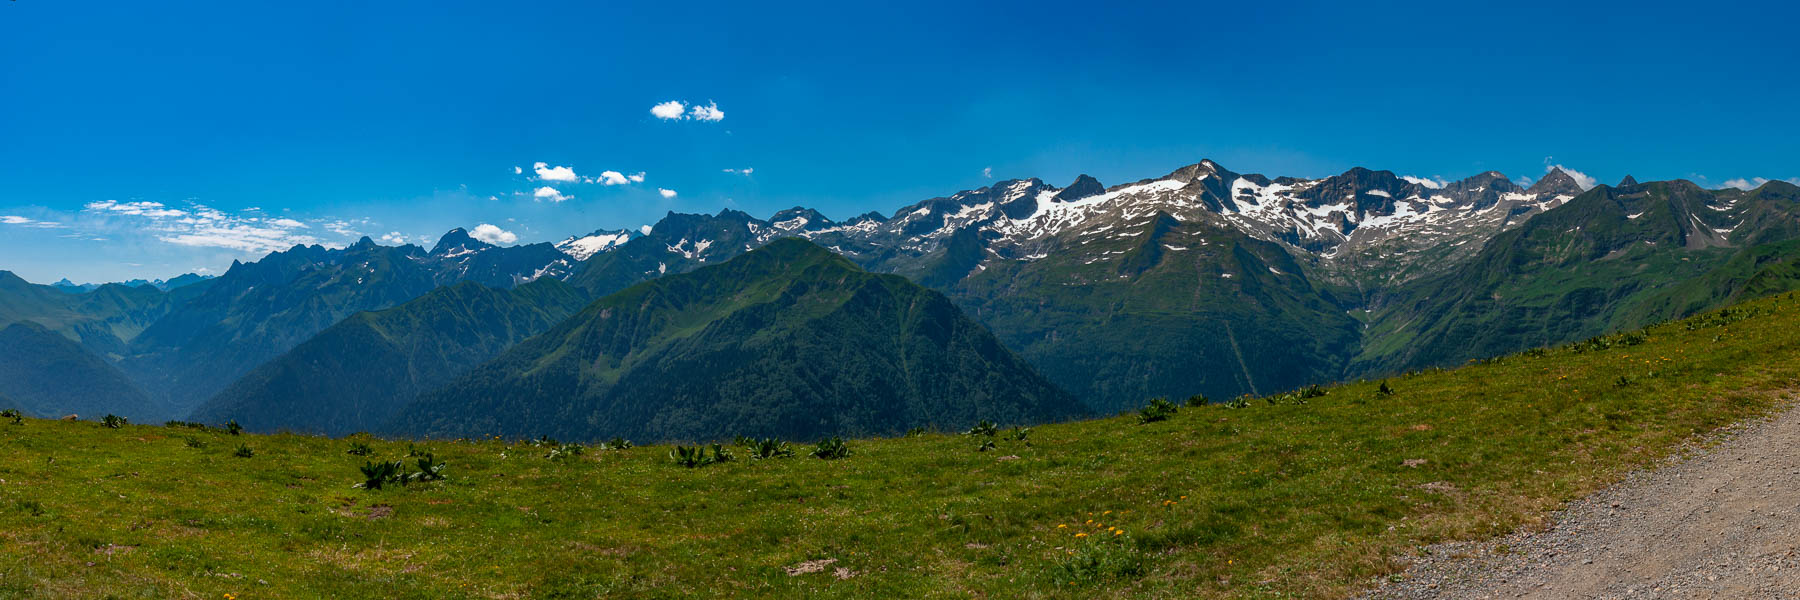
<point x="1275" y="499"/>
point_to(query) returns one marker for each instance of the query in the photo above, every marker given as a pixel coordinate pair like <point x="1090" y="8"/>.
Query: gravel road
<point x="1723" y="523"/>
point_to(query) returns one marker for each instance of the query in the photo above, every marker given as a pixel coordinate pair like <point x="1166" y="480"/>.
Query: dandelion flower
<point x="1081" y="535"/>
<point x="1119" y="532"/>
<point x="1061" y="526"/>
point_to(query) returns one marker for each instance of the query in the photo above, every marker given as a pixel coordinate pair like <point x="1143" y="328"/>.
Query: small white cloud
<point x="394" y="238"/>
<point x="710" y="112"/>
<point x="666" y="193"/>
<point x="988" y="173"/>
<point x="549" y="193"/>
<point x="518" y="171"/>
<point x="493" y="235"/>
<point x="1755" y="182"/>
<point x="637" y="177"/>
<point x="670" y="110"/>
<point x="743" y="171"/>
<point x="288" y="223"/>
<point x="645" y="229"/>
<point x="1428" y="183"/>
<point x="545" y="172"/>
<point x="613" y="178"/>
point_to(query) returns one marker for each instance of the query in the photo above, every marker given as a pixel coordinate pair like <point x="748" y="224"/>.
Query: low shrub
<point x="831" y="448"/>
<point x="768" y="448"/>
<point x="359" y="449"/>
<point x="112" y="421"/>
<point x="692" y="457"/>
<point x="1197" y="400"/>
<point x="984" y="427"/>
<point x="15" y="416"/>
<point x="243" y="451"/>
<point x="1159" y="409"/>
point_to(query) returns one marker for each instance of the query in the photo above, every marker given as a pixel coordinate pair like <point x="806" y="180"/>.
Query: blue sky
<point x="151" y="139"/>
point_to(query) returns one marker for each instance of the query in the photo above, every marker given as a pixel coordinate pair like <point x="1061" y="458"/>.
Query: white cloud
<point x="393" y="238"/>
<point x="669" y="110"/>
<point x="743" y="171"/>
<point x="518" y="171"/>
<point x="1755" y="182"/>
<point x="676" y="110"/>
<point x="666" y="193"/>
<point x="154" y="210"/>
<point x="646" y="229"/>
<point x="204" y="226"/>
<point x="549" y="193"/>
<point x="710" y="112"/>
<point x="988" y="172"/>
<point x="613" y="178"/>
<point x="493" y="235"/>
<point x="1436" y="183"/>
<point x="28" y="222"/>
<point x="545" y="172"/>
<point x="637" y="177"/>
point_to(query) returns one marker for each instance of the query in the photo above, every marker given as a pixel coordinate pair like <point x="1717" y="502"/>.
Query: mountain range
<point x="1201" y="281"/>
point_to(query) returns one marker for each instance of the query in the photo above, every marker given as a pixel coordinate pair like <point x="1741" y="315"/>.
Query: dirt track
<point x="1724" y="523"/>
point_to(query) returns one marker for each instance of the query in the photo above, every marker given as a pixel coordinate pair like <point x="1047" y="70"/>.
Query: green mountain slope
<point x="788" y="340"/>
<point x="102" y="318"/>
<point x="1610" y="259"/>
<point x="356" y="374"/>
<point x="49" y="375"/>
<point x="1182" y="307"/>
<point x="258" y="310"/>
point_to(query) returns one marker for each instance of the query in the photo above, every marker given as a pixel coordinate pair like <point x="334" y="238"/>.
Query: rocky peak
<point x="1555" y="183"/>
<point x="1083" y="186"/>
<point x="456" y="241"/>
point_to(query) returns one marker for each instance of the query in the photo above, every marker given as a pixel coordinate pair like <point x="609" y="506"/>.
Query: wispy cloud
<point x="493" y="234"/>
<point x="139" y="208"/>
<point x="203" y="226"/>
<point x="987" y="173"/>
<point x="1756" y="182"/>
<point x="548" y="193"/>
<point x="743" y="171"/>
<point x="28" y="222"/>
<point x="1434" y="183"/>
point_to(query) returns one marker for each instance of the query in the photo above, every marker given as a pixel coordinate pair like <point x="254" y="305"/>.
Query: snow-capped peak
<point x="580" y="248"/>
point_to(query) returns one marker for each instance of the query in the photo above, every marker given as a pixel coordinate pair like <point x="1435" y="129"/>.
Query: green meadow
<point x="1296" y="495"/>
